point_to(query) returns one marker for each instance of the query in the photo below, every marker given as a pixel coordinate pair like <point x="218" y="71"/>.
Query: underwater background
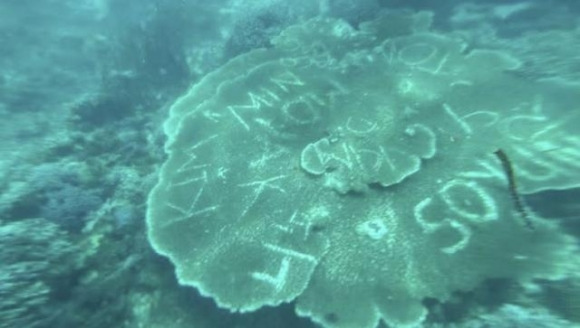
<point x="90" y="92"/>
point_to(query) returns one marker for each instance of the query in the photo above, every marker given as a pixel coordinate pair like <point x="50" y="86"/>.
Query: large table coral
<point x="358" y="172"/>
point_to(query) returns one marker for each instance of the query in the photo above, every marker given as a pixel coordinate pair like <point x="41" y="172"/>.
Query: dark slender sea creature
<point x="513" y="189"/>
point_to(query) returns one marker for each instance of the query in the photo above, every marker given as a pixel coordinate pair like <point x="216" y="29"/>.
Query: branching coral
<point x="27" y="250"/>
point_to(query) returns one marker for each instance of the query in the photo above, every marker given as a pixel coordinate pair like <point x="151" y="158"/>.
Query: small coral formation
<point x="59" y="192"/>
<point x="28" y="250"/>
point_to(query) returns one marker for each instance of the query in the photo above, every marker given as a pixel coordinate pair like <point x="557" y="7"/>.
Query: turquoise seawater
<point x="284" y="164"/>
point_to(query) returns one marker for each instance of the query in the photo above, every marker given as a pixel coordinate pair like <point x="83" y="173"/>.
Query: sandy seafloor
<point x="84" y="89"/>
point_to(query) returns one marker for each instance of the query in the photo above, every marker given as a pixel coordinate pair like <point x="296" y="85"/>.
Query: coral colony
<point x="345" y="164"/>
